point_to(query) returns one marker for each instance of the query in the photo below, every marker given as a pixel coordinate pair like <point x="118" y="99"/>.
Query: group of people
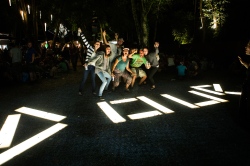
<point x="28" y="64"/>
<point x="118" y="64"/>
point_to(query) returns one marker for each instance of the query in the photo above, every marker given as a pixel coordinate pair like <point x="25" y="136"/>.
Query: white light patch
<point x="18" y="149"/>
<point x="8" y="130"/>
<point x="208" y="91"/>
<point x="205" y="103"/>
<point x="155" y="105"/>
<point x="123" y="101"/>
<point x="110" y="112"/>
<point x="200" y="86"/>
<point x="217" y="88"/>
<point x="208" y="96"/>
<point x="40" y="114"/>
<point x="233" y="93"/>
<point x="180" y="101"/>
<point x="144" y="115"/>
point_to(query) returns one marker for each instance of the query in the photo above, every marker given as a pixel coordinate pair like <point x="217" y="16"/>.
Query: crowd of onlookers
<point x="20" y="64"/>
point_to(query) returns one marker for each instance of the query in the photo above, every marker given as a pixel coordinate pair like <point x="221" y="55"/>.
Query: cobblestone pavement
<point x="207" y="135"/>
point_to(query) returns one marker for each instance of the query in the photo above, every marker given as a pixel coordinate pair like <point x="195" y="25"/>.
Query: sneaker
<point x="153" y="87"/>
<point x="80" y="93"/>
<point x="101" y="98"/>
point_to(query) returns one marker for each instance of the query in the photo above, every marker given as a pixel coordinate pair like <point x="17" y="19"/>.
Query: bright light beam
<point x="123" y="101"/>
<point x="40" y="114"/>
<point x="180" y="101"/>
<point x="233" y="93"/>
<point x="205" y="103"/>
<point x="110" y="112"/>
<point x="200" y="86"/>
<point x="217" y="88"/>
<point x="208" y="96"/>
<point x="18" y="149"/>
<point x="144" y="115"/>
<point x="155" y="105"/>
<point x="208" y="91"/>
<point x="8" y="130"/>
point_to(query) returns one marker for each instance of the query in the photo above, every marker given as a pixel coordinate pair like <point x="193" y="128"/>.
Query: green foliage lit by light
<point x="182" y="36"/>
<point x="214" y="11"/>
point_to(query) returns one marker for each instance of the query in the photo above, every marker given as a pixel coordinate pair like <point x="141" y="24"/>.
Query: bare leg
<point x="133" y="81"/>
<point x="142" y="80"/>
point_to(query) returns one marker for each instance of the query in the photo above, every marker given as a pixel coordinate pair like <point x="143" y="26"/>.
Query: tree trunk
<point x="136" y="20"/>
<point x="202" y="23"/>
<point x="144" y="32"/>
<point x="156" y="21"/>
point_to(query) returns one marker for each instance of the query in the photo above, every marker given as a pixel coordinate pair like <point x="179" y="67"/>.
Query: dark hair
<point x="105" y="47"/>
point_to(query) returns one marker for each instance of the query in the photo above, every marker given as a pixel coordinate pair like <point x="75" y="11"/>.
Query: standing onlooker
<point x="29" y="59"/>
<point x="74" y="51"/>
<point x="244" y="105"/>
<point x="153" y="59"/>
<point x="16" y="57"/>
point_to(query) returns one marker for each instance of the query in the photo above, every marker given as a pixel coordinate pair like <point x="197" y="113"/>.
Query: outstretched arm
<point x="104" y="38"/>
<point x="243" y="62"/>
<point x="156" y="46"/>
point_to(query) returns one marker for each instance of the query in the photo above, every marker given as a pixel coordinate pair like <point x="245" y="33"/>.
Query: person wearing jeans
<point x="102" y="69"/>
<point x="89" y="67"/>
<point x="105" y="78"/>
<point x="91" y="71"/>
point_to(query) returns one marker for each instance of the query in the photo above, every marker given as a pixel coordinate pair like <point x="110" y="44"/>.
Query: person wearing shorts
<point x="137" y="60"/>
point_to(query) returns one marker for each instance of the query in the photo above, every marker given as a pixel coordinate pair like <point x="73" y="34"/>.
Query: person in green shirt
<point x="137" y="60"/>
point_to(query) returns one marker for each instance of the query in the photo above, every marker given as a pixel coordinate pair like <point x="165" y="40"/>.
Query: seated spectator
<point x="181" y="69"/>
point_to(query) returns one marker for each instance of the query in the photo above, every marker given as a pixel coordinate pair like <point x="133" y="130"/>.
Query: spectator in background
<point x="16" y="58"/>
<point x="74" y="52"/>
<point x="244" y="105"/>
<point x="29" y="59"/>
<point x="181" y="70"/>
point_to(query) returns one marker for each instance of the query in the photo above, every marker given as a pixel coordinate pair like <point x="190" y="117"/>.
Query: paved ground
<point x="208" y="135"/>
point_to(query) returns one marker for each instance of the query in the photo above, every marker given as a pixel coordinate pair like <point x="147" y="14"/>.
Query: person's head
<point x="145" y="50"/>
<point x="248" y="48"/>
<point x="97" y="45"/>
<point x="125" y="51"/>
<point x="107" y="50"/>
<point x="120" y="41"/>
<point x="141" y="52"/>
<point x="29" y="44"/>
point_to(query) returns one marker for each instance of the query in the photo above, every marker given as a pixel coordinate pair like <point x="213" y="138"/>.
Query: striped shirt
<point x="90" y="49"/>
